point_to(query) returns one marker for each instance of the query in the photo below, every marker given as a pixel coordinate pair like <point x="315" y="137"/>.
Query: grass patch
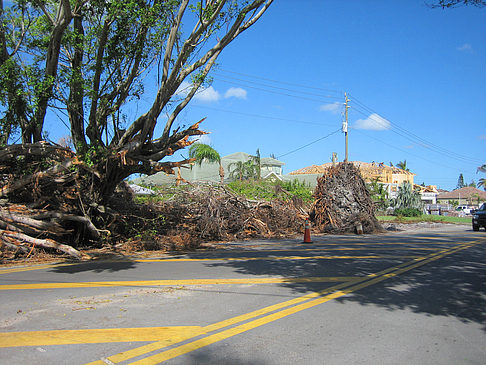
<point x="426" y="218"/>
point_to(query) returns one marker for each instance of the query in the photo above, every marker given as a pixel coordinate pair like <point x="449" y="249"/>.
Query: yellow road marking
<point x="364" y="282"/>
<point x="320" y="257"/>
<point x="31" y="268"/>
<point x="368" y="248"/>
<point x="273" y="280"/>
<point x="130" y="354"/>
<point x="69" y="337"/>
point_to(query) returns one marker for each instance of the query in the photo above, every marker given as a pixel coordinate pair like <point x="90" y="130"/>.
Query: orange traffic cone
<point x="307" y="235"/>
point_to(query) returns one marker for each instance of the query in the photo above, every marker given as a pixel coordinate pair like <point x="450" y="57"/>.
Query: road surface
<point x="398" y="298"/>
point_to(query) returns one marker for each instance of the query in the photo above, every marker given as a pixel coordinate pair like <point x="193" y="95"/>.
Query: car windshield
<point x="483" y="207"/>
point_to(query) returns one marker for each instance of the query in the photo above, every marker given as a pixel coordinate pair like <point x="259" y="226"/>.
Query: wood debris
<point x="343" y="203"/>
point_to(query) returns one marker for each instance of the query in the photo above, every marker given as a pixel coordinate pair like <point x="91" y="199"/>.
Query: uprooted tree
<point x="343" y="203"/>
<point x="87" y="60"/>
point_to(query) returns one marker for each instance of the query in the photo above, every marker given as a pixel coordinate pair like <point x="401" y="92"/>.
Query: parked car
<point x="466" y="209"/>
<point x="479" y="218"/>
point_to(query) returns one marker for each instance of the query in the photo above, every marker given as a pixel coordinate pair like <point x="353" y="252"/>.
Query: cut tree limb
<point x="44" y="243"/>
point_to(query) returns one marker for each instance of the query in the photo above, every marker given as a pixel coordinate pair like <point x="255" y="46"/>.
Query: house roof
<point x="242" y="156"/>
<point x="365" y="166"/>
<point x="237" y="156"/>
<point x="463" y="193"/>
<point x="271" y="161"/>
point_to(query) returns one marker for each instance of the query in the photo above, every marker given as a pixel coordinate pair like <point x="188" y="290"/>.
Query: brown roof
<point x="464" y="193"/>
<point x="365" y="166"/>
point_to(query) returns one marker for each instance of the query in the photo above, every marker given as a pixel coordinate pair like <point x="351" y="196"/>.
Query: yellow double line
<point x="279" y="310"/>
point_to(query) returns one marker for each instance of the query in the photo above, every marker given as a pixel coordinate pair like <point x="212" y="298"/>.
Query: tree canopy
<point x="86" y="60"/>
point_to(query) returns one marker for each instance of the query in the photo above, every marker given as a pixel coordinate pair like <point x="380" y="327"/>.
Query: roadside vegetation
<point x="266" y="190"/>
<point x="424" y="218"/>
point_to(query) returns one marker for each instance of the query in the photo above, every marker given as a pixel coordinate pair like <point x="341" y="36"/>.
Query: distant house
<point x="464" y="196"/>
<point x="391" y="177"/>
<point x="209" y="172"/>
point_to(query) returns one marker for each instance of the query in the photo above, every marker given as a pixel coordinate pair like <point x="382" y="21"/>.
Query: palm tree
<point x="403" y="165"/>
<point x="256" y="160"/>
<point x="482" y="182"/>
<point x="240" y="170"/>
<point x="203" y="152"/>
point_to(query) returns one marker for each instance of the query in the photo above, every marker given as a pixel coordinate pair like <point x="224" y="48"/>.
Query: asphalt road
<point x="400" y="298"/>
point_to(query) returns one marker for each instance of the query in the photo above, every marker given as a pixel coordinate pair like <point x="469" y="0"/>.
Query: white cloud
<point x="207" y="95"/>
<point x="205" y="139"/>
<point x="373" y="122"/>
<point x="466" y="47"/>
<point x="334" y="108"/>
<point x="235" y="92"/>
<point x="183" y="89"/>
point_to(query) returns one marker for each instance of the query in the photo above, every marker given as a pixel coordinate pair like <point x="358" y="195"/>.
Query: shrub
<point x="408" y="212"/>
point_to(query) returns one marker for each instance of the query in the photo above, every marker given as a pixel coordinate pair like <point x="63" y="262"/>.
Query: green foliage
<point x="454" y="203"/>
<point x="425" y="218"/>
<point x="407" y="197"/>
<point x="298" y="189"/>
<point x="265" y="190"/>
<point x="403" y="165"/>
<point x="460" y="182"/>
<point x="240" y="170"/>
<point x="203" y="152"/>
<point x="378" y="193"/>
<point x="482" y="182"/>
<point x="408" y="212"/>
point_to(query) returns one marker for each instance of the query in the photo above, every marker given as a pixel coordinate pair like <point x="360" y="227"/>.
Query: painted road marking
<point x="93" y="284"/>
<point x="342" y="289"/>
<point x="70" y="337"/>
<point x="298" y="248"/>
<point x="30" y="268"/>
<point x="320" y="257"/>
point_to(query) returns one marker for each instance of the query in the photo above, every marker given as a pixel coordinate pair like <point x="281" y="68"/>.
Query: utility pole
<point x="345" y="126"/>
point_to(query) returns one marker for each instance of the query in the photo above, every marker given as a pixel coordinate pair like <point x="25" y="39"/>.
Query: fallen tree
<point x="343" y="203"/>
<point x="87" y="60"/>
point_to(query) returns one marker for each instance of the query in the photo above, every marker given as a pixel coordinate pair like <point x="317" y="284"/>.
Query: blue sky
<point x="415" y="77"/>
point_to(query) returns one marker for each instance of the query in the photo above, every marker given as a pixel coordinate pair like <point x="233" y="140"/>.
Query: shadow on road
<point x="454" y="285"/>
<point x="209" y="356"/>
<point x="97" y="266"/>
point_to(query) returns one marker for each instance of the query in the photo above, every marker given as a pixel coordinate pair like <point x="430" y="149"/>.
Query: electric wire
<point x="397" y="129"/>
<point x="398" y="132"/>
<point x="278" y="81"/>
<point x="414" y="137"/>
<point x="308" y="144"/>
<point x="258" y="115"/>
<point x="226" y="78"/>
<point x="277" y="92"/>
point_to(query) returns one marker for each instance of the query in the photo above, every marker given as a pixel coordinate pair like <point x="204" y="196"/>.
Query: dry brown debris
<point x="342" y="202"/>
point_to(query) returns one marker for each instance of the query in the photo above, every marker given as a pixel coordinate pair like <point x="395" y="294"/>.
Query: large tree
<point x="460" y="182"/>
<point x="455" y="3"/>
<point x="88" y="61"/>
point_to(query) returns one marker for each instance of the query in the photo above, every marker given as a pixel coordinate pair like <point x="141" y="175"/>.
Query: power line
<point x="225" y="78"/>
<point x="406" y="152"/>
<point x="414" y="137"/>
<point x="308" y="144"/>
<point x="259" y="115"/>
<point x="423" y="143"/>
<point x="279" y="82"/>
<point x="281" y="93"/>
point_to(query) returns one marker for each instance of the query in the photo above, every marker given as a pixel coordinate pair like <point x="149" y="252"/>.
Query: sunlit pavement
<point x="414" y="298"/>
